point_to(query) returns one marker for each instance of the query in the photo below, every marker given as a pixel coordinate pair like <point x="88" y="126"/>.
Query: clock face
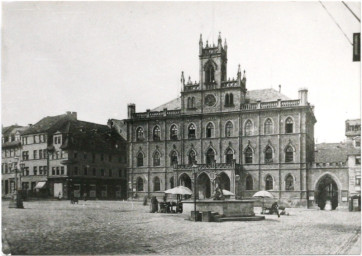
<point x="210" y="100"/>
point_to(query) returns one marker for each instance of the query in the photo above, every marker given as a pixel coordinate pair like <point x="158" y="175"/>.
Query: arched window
<point x="289" y="125"/>
<point x="156" y="184"/>
<point x="289" y="183"/>
<point x="268" y="126"/>
<point x="289" y="154"/>
<point x="140" y="159"/>
<point x="227" y="100"/>
<point x="210" y="156"/>
<point x="209" y="130"/>
<point x="249" y="182"/>
<point x="229" y="156"/>
<point x="229" y="129"/>
<point x="156" y="133"/>
<point x="248" y="155"/>
<point x="172" y="182"/>
<point x="193" y="105"/>
<point x="210" y="74"/>
<point x="173" y="158"/>
<point x="139" y="134"/>
<point x="188" y="102"/>
<point x="268" y="154"/>
<point x="139" y="184"/>
<point x="192" y="131"/>
<point x="192" y="157"/>
<point x="268" y="182"/>
<point x="156" y="159"/>
<point x="231" y="99"/>
<point x="248" y="128"/>
<point x="173" y="132"/>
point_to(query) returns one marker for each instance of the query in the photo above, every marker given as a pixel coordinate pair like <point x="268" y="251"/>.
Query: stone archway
<point x="326" y="189"/>
<point x="203" y="186"/>
<point x="185" y="181"/>
<point x="224" y="181"/>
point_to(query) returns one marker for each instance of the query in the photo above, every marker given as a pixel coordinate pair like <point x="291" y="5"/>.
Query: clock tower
<point x="214" y="92"/>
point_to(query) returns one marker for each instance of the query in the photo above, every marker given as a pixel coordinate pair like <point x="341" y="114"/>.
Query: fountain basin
<point x="226" y="208"/>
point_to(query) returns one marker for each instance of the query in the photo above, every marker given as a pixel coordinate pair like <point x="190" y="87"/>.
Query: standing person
<point x="275" y="208"/>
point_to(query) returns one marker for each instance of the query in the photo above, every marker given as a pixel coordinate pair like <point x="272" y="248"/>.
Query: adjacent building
<point x="353" y="134"/>
<point x="65" y="156"/>
<point x="250" y="139"/>
<point x="10" y="154"/>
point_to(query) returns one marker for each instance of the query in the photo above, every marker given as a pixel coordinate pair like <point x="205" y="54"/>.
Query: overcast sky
<point x="96" y="57"/>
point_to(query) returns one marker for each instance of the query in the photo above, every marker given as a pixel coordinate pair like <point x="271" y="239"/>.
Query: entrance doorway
<point x="203" y="186"/>
<point x="185" y="181"/>
<point x="327" y="189"/>
<point x="224" y="181"/>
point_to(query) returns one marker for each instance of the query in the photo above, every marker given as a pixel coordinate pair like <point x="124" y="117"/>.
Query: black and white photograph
<point x="181" y="128"/>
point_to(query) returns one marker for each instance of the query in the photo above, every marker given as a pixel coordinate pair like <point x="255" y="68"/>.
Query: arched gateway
<point x="203" y="186"/>
<point x="326" y="189"/>
<point x="185" y="181"/>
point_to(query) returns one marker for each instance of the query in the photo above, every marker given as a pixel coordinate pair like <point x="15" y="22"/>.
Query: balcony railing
<point x="271" y="104"/>
<point x="232" y="165"/>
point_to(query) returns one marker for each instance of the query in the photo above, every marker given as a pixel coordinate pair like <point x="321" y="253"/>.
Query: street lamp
<point x="194" y="170"/>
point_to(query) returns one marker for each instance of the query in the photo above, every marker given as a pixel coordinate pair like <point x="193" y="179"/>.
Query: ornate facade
<point x="254" y="140"/>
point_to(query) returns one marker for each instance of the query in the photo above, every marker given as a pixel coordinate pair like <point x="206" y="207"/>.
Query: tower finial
<point x="225" y="45"/>
<point x="207" y="43"/>
<point x="244" y="77"/>
<point x="200" y="42"/>
<point x="182" y="78"/>
<point x="280" y="88"/>
<point x="219" y="41"/>
<point x="239" y="72"/>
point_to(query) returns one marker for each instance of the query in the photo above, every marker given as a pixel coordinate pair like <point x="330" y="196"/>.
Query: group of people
<point x="165" y="207"/>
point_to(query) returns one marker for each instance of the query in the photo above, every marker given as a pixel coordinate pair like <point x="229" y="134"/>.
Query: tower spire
<point x="239" y="72"/>
<point x="225" y="45"/>
<point x="182" y="78"/>
<point x="200" y="44"/>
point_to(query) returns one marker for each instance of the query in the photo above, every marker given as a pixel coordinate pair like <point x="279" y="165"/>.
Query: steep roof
<point x="6" y="131"/>
<point x="171" y="105"/>
<point x="263" y="95"/>
<point x="88" y="136"/>
<point x="331" y="152"/>
<point x="47" y="124"/>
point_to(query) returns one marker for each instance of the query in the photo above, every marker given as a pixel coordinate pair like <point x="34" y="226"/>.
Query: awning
<point x="40" y="184"/>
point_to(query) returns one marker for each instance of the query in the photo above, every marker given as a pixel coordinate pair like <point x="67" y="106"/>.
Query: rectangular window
<point x="358" y="160"/>
<point x="62" y="170"/>
<point x="120" y="173"/>
<point x="102" y="172"/>
<point x="75" y="154"/>
<point x="110" y="172"/>
<point x="35" y="170"/>
<point x="110" y="158"/>
<point x="102" y="157"/>
<point x="94" y="172"/>
<point x="85" y="155"/>
<point x="45" y="155"/>
<point x="93" y="157"/>
<point x="25" y="155"/>
<point x="35" y="154"/>
<point x="45" y="170"/>
<point x="358" y="181"/>
<point x="358" y="143"/>
<point x="40" y="154"/>
<point x="75" y="170"/>
<point x="58" y="170"/>
<point x="53" y="170"/>
<point x="40" y="170"/>
<point x="85" y="170"/>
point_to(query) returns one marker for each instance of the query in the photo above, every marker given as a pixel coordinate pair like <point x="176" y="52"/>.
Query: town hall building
<point x="250" y="139"/>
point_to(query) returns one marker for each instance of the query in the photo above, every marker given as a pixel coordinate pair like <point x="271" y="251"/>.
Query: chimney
<point x="303" y="96"/>
<point x="131" y="110"/>
<point x="280" y="88"/>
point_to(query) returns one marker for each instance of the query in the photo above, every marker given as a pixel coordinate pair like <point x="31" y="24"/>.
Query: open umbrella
<point x="263" y="194"/>
<point x="227" y="193"/>
<point x="180" y="190"/>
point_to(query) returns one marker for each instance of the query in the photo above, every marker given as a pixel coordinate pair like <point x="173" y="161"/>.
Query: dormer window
<point x="58" y="139"/>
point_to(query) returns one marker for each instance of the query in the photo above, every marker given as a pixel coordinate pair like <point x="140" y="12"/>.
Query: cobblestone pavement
<point x="114" y="227"/>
